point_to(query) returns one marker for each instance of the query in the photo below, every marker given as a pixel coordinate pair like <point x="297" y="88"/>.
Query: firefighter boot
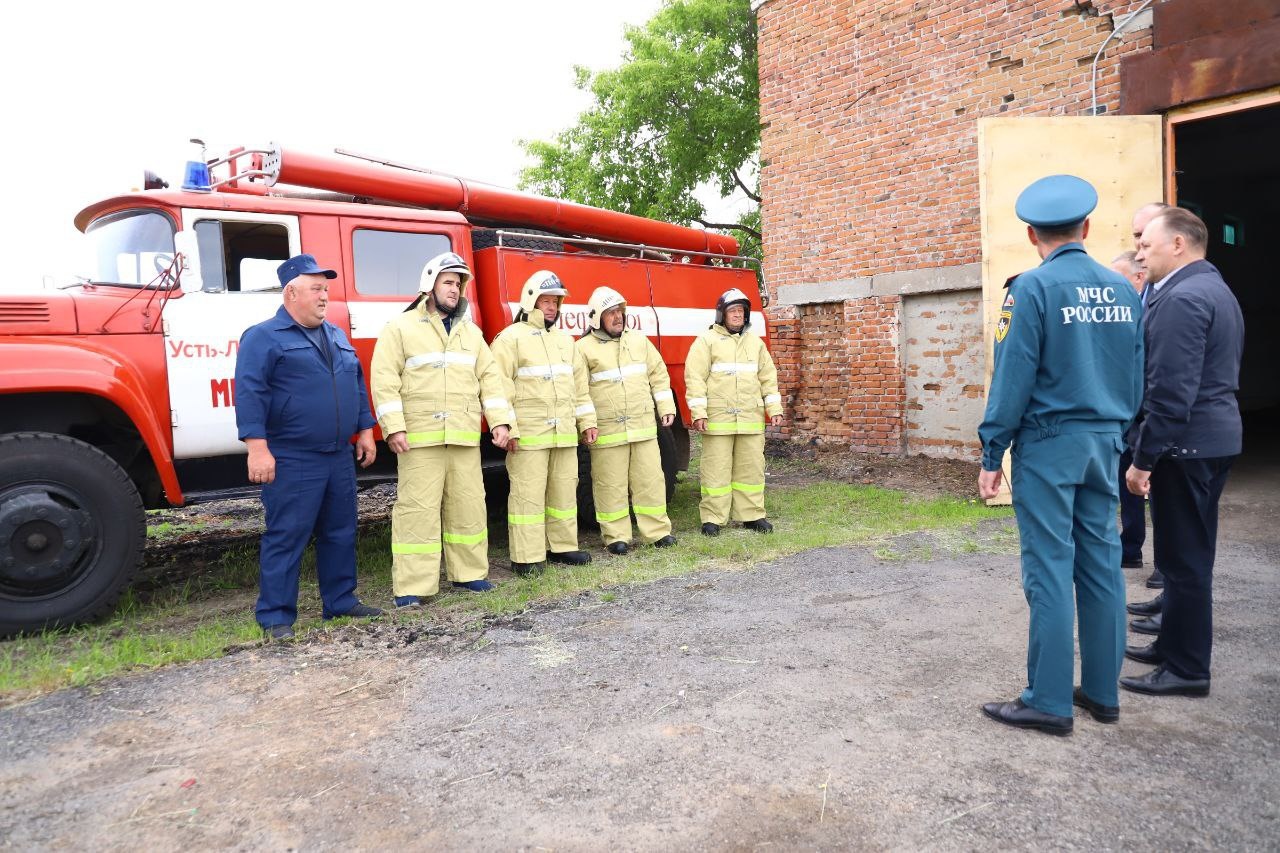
<point x="570" y="558"/>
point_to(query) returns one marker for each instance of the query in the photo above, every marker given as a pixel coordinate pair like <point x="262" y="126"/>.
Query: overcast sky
<point x="94" y="93"/>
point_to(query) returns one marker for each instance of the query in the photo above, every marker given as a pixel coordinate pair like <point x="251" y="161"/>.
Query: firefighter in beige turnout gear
<point x="627" y="379"/>
<point x="432" y="375"/>
<point x="731" y="386"/>
<point x="553" y="408"/>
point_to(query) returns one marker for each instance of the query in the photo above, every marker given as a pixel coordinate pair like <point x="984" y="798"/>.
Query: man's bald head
<point x="1143" y="216"/>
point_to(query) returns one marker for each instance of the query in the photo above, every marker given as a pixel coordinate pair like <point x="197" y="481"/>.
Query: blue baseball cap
<point x="1056" y="201"/>
<point x="301" y="265"/>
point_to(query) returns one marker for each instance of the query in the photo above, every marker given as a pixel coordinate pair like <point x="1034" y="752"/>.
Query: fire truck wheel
<point x="72" y="532"/>
<point x="587" y="503"/>
<point x="486" y="238"/>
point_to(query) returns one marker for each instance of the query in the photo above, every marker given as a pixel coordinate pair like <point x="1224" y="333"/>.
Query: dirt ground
<point x="823" y="701"/>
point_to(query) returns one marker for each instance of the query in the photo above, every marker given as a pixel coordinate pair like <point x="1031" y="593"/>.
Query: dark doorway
<point x="1229" y="174"/>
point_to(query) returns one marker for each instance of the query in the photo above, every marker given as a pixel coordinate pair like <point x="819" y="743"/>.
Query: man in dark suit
<point x="1185" y="443"/>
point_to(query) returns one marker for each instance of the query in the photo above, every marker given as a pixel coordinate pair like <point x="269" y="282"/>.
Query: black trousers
<point x="1133" y="515"/>
<point x="1184" y="519"/>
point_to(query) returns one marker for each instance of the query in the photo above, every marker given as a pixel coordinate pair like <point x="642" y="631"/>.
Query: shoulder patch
<point x="1008" y="301"/>
<point x="1002" y="326"/>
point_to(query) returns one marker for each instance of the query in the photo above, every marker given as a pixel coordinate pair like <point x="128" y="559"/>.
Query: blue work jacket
<point x="288" y="392"/>
<point x="1068" y="354"/>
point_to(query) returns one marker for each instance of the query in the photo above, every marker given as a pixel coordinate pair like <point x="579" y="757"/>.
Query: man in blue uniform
<point x="300" y="396"/>
<point x="1067" y="382"/>
<point x="1183" y="449"/>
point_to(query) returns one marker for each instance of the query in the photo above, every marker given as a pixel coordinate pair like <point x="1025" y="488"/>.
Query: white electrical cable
<point x="1093" y="73"/>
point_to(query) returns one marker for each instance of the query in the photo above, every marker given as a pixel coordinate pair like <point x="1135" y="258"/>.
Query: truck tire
<point x="586" y="501"/>
<point x="538" y="241"/>
<point x="72" y="532"/>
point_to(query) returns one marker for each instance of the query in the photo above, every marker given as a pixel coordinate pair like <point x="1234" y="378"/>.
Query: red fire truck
<point x="118" y="392"/>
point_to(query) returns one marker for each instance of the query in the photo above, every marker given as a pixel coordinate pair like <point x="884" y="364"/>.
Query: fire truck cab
<point x="119" y="392"/>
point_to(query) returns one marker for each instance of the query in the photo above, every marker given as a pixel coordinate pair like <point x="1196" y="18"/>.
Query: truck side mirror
<point x="185" y="244"/>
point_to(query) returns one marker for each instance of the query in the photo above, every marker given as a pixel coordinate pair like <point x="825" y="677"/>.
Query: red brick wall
<point x="869" y="164"/>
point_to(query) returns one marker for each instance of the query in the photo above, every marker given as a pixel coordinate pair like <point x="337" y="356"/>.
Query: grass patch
<point x="201" y="616"/>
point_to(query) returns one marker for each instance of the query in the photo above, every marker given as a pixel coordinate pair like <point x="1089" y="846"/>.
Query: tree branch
<point x="729" y="225"/>
<point x="743" y="187"/>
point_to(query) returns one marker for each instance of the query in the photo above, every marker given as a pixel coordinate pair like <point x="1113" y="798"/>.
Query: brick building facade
<point x="869" y="173"/>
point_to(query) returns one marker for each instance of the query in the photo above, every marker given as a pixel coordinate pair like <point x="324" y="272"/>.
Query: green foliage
<point x="682" y="110"/>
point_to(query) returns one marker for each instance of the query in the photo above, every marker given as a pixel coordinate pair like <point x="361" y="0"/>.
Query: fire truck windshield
<point x="131" y="248"/>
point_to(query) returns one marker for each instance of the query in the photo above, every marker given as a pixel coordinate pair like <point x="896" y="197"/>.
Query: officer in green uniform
<point x="1067" y="383"/>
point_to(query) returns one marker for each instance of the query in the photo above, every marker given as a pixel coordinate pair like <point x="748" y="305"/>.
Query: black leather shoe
<point x="278" y="632"/>
<point x="710" y="528"/>
<point x="1156" y="581"/>
<point x="665" y="542"/>
<point x="1147" y="608"/>
<point x="1150" y="625"/>
<point x="360" y="611"/>
<point x="617" y="548"/>
<point x="1020" y="716"/>
<point x="1101" y="713"/>
<point x="1161" y="682"/>
<point x="1144" y="654"/>
<point x="1135" y="563"/>
<point x="760" y="525"/>
<point x="570" y="558"/>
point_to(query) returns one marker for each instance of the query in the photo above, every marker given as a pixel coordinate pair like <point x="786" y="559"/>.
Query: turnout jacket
<point x="626" y="379"/>
<point x="291" y="394"/>
<point x="433" y="383"/>
<point x="730" y="380"/>
<point x="551" y="400"/>
<point x="1195" y="339"/>
<point x="1068" y="354"/>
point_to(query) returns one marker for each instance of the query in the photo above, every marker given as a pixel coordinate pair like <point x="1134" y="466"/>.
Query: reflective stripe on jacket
<point x="433" y="384"/>
<point x="730" y="380"/>
<point x="549" y="378"/>
<point x="627" y="379"/>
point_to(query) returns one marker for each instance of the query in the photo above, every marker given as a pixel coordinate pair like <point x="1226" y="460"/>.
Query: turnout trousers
<point x="635" y="467"/>
<point x="313" y="494"/>
<point x="542" y="509"/>
<point x="439" y="508"/>
<point x="1064" y="494"/>
<point x="732" y="478"/>
<point x="1184" y="518"/>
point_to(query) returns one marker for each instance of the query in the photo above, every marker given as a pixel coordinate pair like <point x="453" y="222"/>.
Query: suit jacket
<point x="1194" y="339"/>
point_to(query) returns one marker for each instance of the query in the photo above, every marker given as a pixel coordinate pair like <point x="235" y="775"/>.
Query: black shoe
<point x="665" y="542"/>
<point x="278" y="632"/>
<point x="1150" y="625"/>
<point x="710" y="528"/>
<point x="1161" y="682"/>
<point x="617" y="548"/>
<point x="360" y="611"/>
<point x="1101" y="713"/>
<point x="1135" y="563"/>
<point x="760" y="525"/>
<point x="1144" y="654"/>
<point x="570" y="558"/>
<point x="1147" y="608"/>
<point x="1020" y="716"/>
<point x="1156" y="581"/>
<point x="524" y="569"/>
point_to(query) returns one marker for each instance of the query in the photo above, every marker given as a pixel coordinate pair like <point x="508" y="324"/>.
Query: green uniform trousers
<point x="732" y="476"/>
<point x="637" y="465"/>
<point x="1064" y="494"/>
<point x="439" y="507"/>
<point x="542" y="509"/>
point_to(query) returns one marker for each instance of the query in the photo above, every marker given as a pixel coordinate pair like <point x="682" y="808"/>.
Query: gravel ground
<point x="825" y="701"/>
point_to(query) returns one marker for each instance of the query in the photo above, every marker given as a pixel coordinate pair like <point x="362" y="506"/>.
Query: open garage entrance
<point x="1225" y="169"/>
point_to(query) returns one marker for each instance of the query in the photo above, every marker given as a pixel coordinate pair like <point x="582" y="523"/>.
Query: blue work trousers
<point x="313" y="494"/>
<point x="1064" y="494"/>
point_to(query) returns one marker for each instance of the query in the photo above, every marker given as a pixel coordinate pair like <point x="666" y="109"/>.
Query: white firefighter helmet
<point x="540" y="283"/>
<point x="602" y="299"/>
<point x="733" y="296"/>
<point x="447" y="262"/>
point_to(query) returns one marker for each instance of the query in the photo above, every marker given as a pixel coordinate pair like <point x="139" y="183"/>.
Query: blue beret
<point x="1056" y="201"/>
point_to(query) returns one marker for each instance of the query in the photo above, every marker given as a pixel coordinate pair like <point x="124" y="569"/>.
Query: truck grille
<point x="23" y="312"/>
